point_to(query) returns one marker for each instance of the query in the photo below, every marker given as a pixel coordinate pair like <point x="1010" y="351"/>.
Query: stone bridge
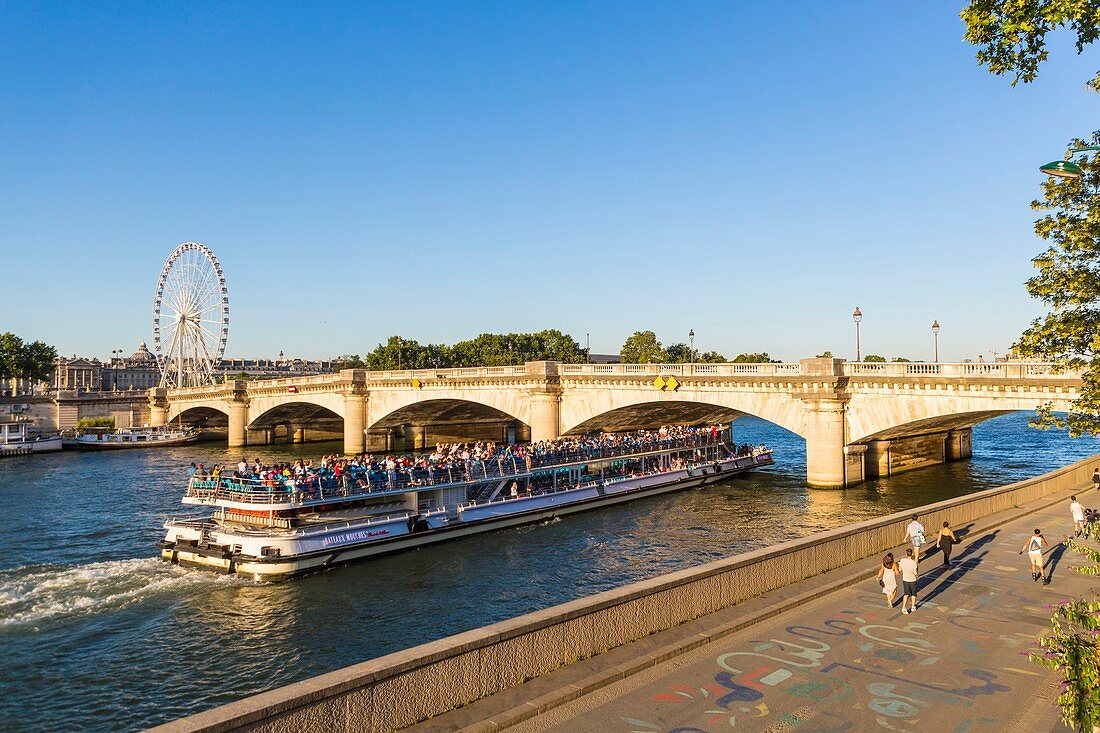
<point x="859" y="420"/>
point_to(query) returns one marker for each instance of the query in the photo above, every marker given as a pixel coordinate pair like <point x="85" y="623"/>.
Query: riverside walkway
<point x="825" y="654"/>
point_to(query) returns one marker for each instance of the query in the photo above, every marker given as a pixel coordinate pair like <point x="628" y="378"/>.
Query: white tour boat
<point x="272" y="529"/>
<point x="146" y="437"/>
<point x="21" y="438"/>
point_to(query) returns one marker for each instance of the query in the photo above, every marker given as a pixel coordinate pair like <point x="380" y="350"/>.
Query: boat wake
<point x="36" y="594"/>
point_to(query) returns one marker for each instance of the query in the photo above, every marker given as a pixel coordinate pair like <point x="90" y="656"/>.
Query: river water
<point x="99" y="635"/>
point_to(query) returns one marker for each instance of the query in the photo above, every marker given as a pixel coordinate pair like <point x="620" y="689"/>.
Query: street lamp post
<point x="857" y="316"/>
<point x="116" y="354"/>
<point x="1067" y="168"/>
<point x="691" y="348"/>
<point x="936" y="338"/>
<point x="399" y="342"/>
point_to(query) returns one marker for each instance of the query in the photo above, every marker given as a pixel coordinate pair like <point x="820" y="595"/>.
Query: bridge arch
<point x="445" y="420"/>
<point x="938" y="424"/>
<point x="201" y="415"/>
<point x="622" y="409"/>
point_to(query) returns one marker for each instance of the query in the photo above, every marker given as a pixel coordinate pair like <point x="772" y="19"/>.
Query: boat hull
<point x="282" y="568"/>
<point x="119" y="445"/>
<point x="46" y="445"/>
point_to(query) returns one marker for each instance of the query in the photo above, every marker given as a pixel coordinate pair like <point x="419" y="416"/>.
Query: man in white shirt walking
<point x="1078" y="513"/>
<point x="914" y="534"/>
<point x="909" y="571"/>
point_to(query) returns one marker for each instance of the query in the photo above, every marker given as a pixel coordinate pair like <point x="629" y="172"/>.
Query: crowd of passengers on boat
<point x="449" y="463"/>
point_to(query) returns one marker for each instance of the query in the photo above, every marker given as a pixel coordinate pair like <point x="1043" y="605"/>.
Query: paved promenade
<point x="836" y="659"/>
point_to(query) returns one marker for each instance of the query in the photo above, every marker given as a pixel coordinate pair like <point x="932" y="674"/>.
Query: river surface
<point x="99" y="635"/>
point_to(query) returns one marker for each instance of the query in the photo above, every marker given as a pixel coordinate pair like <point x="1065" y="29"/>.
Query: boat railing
<point x="316" y="488"/>
<point x="587" y="481"/>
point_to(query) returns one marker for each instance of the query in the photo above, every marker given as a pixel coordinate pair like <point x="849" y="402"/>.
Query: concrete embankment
<point x="401" y="689"/>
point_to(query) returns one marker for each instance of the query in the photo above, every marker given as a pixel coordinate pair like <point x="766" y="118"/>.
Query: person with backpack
<point x="1034" y="546"/>
<point x="914" y="533"/>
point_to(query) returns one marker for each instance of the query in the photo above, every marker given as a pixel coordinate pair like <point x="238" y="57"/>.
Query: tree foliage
<point x="1073" y="648"/>
<point x="757" y="358"/>
<point x="1068" y="282"/>
<point x="874" y="358"/>
<point x="1011" y="34"/>
<point x="488" y="349"/>
<point x="642" y="347"/>
<point x="19" y="359"/>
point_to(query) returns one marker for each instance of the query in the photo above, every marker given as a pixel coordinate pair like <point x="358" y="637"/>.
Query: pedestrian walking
<point x="1096" y="478"/>
<point x="914" y="534"/>
<point x="945" y="542"/>
<point x="1078" y="513"/>
<point x="1034" y="546"/>
<point x="888" y="579"/>
<point x="908" y="568"/>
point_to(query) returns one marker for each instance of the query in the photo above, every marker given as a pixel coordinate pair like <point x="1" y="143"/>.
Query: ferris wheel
<point x="190" y="317"/>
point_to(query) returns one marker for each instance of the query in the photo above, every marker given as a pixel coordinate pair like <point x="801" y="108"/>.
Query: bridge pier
<point x="545" y="401"/>
<point x="876" y="461"/>
<point x="238" y="422"/>
<point x="158" y="406"/>
<point x="825" y="456"/>
<point x="957" y="444"/>
<point x="355" y="418"/>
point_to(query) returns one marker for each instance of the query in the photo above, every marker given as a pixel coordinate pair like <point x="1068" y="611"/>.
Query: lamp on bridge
<point x="691" y="347"/>
<point x="857" y="316"/>
<point x="936" y="338"/>
<point x="116" y="355"/>
<point x="1067" y="168"/>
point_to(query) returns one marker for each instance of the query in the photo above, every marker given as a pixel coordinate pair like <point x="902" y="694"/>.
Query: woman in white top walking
<point x="1034" y="546"/>
<point x="888" y="578"/>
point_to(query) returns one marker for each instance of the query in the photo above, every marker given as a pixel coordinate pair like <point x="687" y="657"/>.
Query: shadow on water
<point x="81" y="590"/>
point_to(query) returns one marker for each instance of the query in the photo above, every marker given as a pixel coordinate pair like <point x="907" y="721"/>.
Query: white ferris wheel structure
<point x="190" y="317"/>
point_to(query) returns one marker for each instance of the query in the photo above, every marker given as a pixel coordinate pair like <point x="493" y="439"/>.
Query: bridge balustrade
<point x="719" y="370"/>
<point x="1002" y="370"/>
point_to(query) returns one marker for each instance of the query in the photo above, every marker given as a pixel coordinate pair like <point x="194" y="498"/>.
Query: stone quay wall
<point x="397" y="690"/>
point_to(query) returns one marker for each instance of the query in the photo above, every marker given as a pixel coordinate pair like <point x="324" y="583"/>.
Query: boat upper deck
<point x="280" y="492"/>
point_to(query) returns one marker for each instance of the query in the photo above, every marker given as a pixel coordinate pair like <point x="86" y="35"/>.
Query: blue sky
<point x="752" y="171"/>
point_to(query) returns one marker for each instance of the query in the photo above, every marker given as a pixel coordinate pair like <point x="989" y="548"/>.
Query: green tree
<point x="711" y="357"/>
<point x="826" y="355"/>
<point x="1073" y="648"/>
<point x="758" y="358"/>
<point x="11" y="346"/>
<point x="348" y="361"/>
<point x="902" y="359"/>
<point x="32" y="360"/>
<point x="1068" y="282"/>
<point x="38" y="358"/>
<point x="1011" y="34"/>
<point x="487" y="349"/>
<point x="642" y="347"/>
<point x="874" y="357"/>
<point x="678" y="353"/>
